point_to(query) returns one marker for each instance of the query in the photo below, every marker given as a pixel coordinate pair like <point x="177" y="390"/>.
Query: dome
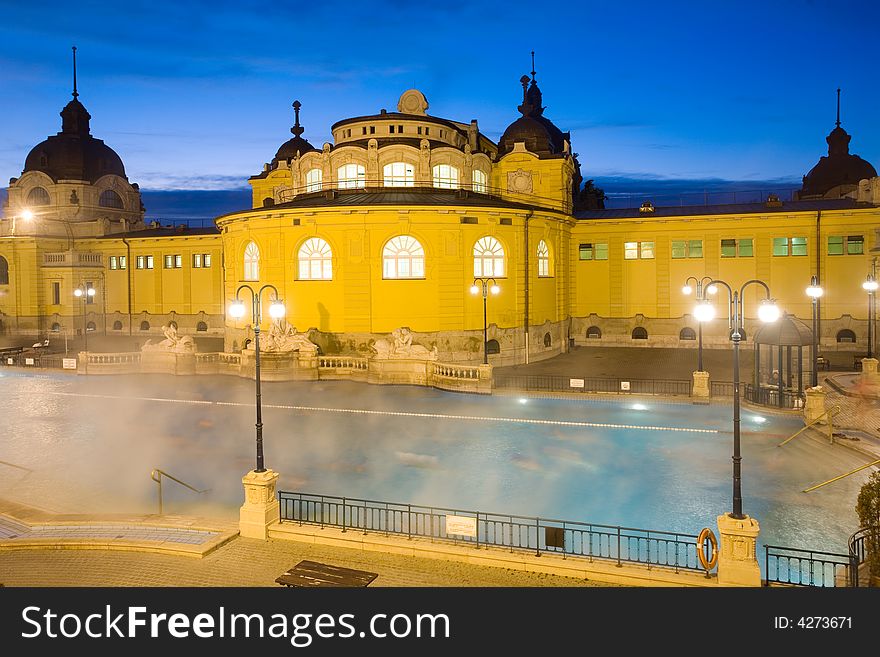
<point x="291" y="147"/>
<point x="73" y="154"/>
<point x="787" y="331"/>
<point x="538" y="132"/>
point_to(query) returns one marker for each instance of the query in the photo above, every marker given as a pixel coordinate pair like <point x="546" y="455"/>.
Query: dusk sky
<point x="197" y="95"/>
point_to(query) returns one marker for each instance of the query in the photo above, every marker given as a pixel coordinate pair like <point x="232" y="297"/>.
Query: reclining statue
<point x="283" y="337"/>
<point x="401" y="346"/>
<point x="182" y="344"/>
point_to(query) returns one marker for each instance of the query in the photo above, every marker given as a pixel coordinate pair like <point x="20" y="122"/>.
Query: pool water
<point x="91" y="443"/>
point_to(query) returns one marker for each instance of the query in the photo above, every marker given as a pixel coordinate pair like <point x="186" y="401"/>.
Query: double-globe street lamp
<point x="768" y="312"/>
<point x="485" y="285"/>
<point x="86" y="293"/>
<point x="814" y="291"/>
<point x="700" y="295"/>
<point x="276" y="311"/>
<point x="870" y="286"/>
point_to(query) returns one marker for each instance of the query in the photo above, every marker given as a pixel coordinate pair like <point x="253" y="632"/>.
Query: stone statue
<point x="401" y="346"/>
<point x="283" y="337"/>
<point x="181" y="344"/>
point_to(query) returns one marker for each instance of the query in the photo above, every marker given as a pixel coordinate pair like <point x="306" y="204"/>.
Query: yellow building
<point x="393" y="223"/>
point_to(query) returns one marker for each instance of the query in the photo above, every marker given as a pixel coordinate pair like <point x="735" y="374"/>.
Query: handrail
<point x="28" y="471"/>
<point x="831" y="412"/>
<point x="158" y="480"/>
<point x="845" y="474"/>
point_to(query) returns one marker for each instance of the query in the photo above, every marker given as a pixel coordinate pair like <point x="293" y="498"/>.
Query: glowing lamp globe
<point x="78" y="292"/>
<point x="815" y="291"/>
<point x="686" y="290"/>
<point x="91" y="291"/>
<point x="236" y="310"/>
<point x="768" y="311"/>
<point x="712" y="289"/>
<point x="27" y="215"/>
<point x="474" y="289"/>
<point x="277" y="310"/>
<point x="704" y="312"/>
<point x="870" y="285"/>
<point x="495" y="289"/>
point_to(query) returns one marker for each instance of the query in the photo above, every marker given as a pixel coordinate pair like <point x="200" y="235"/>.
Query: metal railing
<point x="796" y="567"/>
<point x="556" y="383"/>
<point x="772" y="397"/>
<point x="858" y="549"/>
<point x="476" y="528"/>
<point x="721" y="388"/>
<point x="827" y="415"/>
<point x="157" y="474"/>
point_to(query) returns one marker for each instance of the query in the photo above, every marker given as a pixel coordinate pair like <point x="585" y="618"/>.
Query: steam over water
<point x="91" y="442"/>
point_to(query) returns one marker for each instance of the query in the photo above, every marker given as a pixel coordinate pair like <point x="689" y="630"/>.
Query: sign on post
<point x="461" y="526"/>
<point x="575" y="383"/>
<point x="68" y="363"/>
<point x="28" y="361"/>
<point x="624" y="385"/>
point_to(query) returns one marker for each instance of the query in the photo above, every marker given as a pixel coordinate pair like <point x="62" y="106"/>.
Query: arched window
<point x="845" y="335"/>
<point x="351" y="176"/>
<point x="145" y="326"/>
<point x="543" y="259"/>
<point x="38" y="196"/>
<point x="479" y="181"/>
<point x="398" y="174"/>
<point x="445" y="176"/>
<point x="548" y="341"/>
<point x="251" y="262"/>
<point x="492" y="347"/>
<point x="687" y="333"/>
<point x="488" y="257"/>
<point x="315" y="260"/>
<point x="56" y="328"/>
<point x="314" y="178"/>
<point x="639" y="333"/>
<point x="110" y="199"/>
<point x="201" y="327"/>
<point x="117" y="325"/>
<point x="90" y="326"/>
<point x="403" y="257"/>
<point x="4" y="271"/>
<point x="594" y="333"/>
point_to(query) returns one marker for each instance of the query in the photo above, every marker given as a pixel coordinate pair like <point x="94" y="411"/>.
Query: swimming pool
<point x="645" y="463"/>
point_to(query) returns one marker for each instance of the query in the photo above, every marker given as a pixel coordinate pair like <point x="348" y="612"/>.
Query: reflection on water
<point x="91" y="443"/>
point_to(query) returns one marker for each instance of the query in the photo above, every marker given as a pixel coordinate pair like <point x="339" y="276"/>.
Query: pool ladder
<point x="829" y="414"/>
<point x="157" y="474"/>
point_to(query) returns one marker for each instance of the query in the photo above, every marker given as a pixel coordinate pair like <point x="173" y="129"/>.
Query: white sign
<point x="575" y="383"/>
<point x="624" y="385"/>
<point x="28" y="361"/>
<point x="68" y="363"/>
<point x="461" y="525"/>
<point x="10" y="361"/>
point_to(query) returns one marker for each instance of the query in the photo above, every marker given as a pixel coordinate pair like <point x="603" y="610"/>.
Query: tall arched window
<point x="56" y="327"/>
<point x="117" y="325"/>
<point x="640" y="333"/>
<point x="4" y="271"/>
<point x="543" y="259"/>
<point x="351" y="176"/>
<point x="315" y="260"/>
<point x="145" y="326"/>
<point x="38" y="196"/>
<point x="479" y="181"/>
<point x="403" y="257"/>
<point x="201" y="327"/>
<point x="445" y="176"/>
<point x="488" y="257"/>
<point x="314" y="177"/>
<point x="251" y="262"/>
<point x="398" y="174"/>
<point x="110" y="199"/>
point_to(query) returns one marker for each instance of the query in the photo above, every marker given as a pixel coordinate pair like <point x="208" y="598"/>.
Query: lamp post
<point x="276" y="311"/>
<point x="485" y="286"/>
<point x="768" y="311"/>
<point x="814" y="292"/>
<point x="870" y="286"/>
<point x="85" y="293"/>
<point x="29" y="215"/>
<point x="700" y="296"/>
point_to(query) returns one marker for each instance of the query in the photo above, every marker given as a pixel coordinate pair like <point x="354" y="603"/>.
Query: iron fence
<point x="721" y="388"/>
<point x="767" y="396"/>
<point x="513" y="532"/>
<point x="792" y="566"/>
<point x="865" y="539"/>
<point x="28" y="358"/>
<point x="557" y="383"/>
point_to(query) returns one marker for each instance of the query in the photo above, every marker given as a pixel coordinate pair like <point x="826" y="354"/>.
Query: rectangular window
<point x="780" y="246"/>
<point x="695" y="248"/>
<point x="197" y="260"/>
<point x="855" y="245"/>
<point x="391" y="129"/>
<point x="112" y="262"/>
<point x="798" y="246"/>
<point x="630" y="250"/>
<point x="687" y="248"/>
<point x="600" y="251"/>
<point x="679" y="249"/>
<point x="744" y="248"/>
<point x="169" y="261"/>
<point x="420" y="129"/>
<point x="149" y="262"/>
<point x="372" y="130"/>
<point x="139" y="263"/>
<point x="90" y="298"/>
<point x="178" y="261"/>
<point x="835" y="245"/>
<point x="647" y="250"/>
<point x="122" y="262"/>
<point x="56" y="293"/>
<point x="585" y="252"/>
<point x="427" y="131"/>
<point x="206" y="260"/>
<point x="364" y="130"/>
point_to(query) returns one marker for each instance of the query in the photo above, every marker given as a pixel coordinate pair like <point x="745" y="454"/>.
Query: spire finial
<point x="533" y="66"/>
<point x="297" y="129"/>
<point x="75" y="94"/>
<point x="838" y="107"/>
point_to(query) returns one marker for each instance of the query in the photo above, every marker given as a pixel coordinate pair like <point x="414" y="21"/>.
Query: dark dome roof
<point x="787" y="331"/>
<point x="536" y="130"/>
<point x="73" y="154"/>
<point x="839" y="167"/>
<point x="291" y="147"/>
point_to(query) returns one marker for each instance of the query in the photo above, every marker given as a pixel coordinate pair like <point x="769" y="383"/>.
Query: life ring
<point x="707" y="534"/>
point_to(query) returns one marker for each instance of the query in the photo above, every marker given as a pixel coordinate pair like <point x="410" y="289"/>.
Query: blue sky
<point x="197" y="95"/>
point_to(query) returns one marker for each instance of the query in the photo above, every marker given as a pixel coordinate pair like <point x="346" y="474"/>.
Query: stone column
<point x="701" y="384"/>
<point x="815" y="405"/>
<point x="260" y="508"/>
<point x="737" y="563"/>
<point x="869" y="370"/>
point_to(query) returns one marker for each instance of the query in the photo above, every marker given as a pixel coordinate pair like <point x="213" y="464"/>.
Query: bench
<point x="311" y="574"/>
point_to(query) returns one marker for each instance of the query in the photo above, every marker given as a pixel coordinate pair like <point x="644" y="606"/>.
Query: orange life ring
<point x="701" y="553"/>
